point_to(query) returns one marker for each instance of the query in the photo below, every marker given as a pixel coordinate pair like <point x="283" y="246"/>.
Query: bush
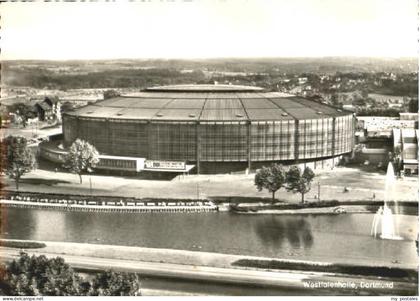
<point x="40" y="276"/>
<point x="390" y="272"/>
<point x="287" y="206"/>
<point x="111" y="283"/>
<point x="22" y="244"/>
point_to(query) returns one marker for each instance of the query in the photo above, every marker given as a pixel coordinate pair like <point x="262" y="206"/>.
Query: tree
<point x="67" y="106"/>
<point x="396" y="159"/>
<point x="110" y="94"/>
<point x="17" y="158"/>
<point x="299" y="182"/>
<point x="111" y="283"/>
<point x="271" y="178"/>
<point x="334" y="100"/>
<point x="23" y="111"/>
<point x="82" y="157"/>
<point x="40" y="276"/>
<point x="413" y="105"/>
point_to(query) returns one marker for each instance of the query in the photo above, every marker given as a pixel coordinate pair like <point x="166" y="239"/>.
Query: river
<point x="344" y="238"/>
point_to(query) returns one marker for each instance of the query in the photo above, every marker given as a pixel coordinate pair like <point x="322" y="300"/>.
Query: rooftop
<point x="204" y="88"/>
<point x="203" y="103"/>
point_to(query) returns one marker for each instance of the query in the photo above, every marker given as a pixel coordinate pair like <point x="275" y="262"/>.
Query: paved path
<point x="361" y="185"/>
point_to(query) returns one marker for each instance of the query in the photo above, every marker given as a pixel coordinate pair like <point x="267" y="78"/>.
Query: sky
<point x="208" y="29"/>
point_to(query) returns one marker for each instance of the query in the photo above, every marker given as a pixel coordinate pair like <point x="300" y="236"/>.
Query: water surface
<point x="343" y="237"/>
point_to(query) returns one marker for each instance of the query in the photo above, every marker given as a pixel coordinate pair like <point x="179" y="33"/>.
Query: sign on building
<point x="174" y="165"/>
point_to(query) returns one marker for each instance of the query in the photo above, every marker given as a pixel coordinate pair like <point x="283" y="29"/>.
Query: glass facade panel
<point x="223" y="141"/>
<point x="172" y="141"/>
<point x="344" y="127"/>
<point x="301" y="139"/>
<point x="94" y="131"/>
<point x="128" y="138"/>
<point x="330" y="134"/>
<point x="315" y="138"/>
<point x="70" y="127"/>
<point x="258" y="145"/>
<point x="327" y="136"/>
<point x="272" y="140"/>
<point x="287" y="140"/>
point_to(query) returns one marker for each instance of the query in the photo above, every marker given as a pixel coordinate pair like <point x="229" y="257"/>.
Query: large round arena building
<point x="216" y="128"/>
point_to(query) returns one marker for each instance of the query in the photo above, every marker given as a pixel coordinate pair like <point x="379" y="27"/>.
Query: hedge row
<point x="389" y="272"/>
<point x="22" y="244"/>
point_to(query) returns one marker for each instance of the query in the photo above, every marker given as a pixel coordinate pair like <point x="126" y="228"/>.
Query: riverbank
<point x="98" y="203"/>
<point x="112" y="208"/>
<point x="243" y="205"/>
<point x="217" y="267"/>
<point x="317" y="210"/>
<point x="323" y="207"/>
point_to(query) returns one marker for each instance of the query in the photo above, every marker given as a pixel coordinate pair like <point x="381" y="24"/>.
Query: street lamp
<point x="89" y="170"/>
<point x="319" y="191"/>
<point x="90" y="184"/>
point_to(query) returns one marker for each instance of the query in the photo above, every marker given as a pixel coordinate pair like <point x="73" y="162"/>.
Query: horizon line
<point x="213" y="58"/>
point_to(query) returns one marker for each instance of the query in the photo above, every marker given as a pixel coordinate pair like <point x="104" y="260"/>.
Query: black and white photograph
<point x="209" y="148"/>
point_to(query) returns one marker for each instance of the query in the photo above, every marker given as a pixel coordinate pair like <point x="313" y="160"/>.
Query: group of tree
<point x="17" y="158"/>
<point x="275" y="177"/>
<point x="110" y="94"/>
<point x="378" y="112"/>
<point x="413" y="105"/>
<point x="67" y="106"/>
<point x="41" y="276"/>
<point x="114" y="78"/>
<point x="22" y="112"/>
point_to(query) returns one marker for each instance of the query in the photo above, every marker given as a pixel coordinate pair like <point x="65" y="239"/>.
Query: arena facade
<point x="217" y="128"/>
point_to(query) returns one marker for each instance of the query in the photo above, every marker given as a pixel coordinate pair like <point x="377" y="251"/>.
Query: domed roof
<point x="204" y="88"/>
<point x="208" y="103"/>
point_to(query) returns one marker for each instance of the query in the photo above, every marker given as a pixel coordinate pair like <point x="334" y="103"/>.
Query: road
<point x="285" y="282"/>
<point x="32" y="130"/>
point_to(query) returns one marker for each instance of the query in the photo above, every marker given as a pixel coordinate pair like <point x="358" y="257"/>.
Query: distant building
<point x="349" y="108"/>
<point x="409" y="116"/>
<point x="5" y="119"/>
<point x="383" y="135"/>
<point x="302" y="80"/>
<point x="407" y="140"/>
<point x="55" y="105"/>
<point x="45" y="112"/>
<point x="395" y="105"/>
<point x="384" y="124"/>
<point x="46" y="109"/>
<point x="393" y="101"/>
